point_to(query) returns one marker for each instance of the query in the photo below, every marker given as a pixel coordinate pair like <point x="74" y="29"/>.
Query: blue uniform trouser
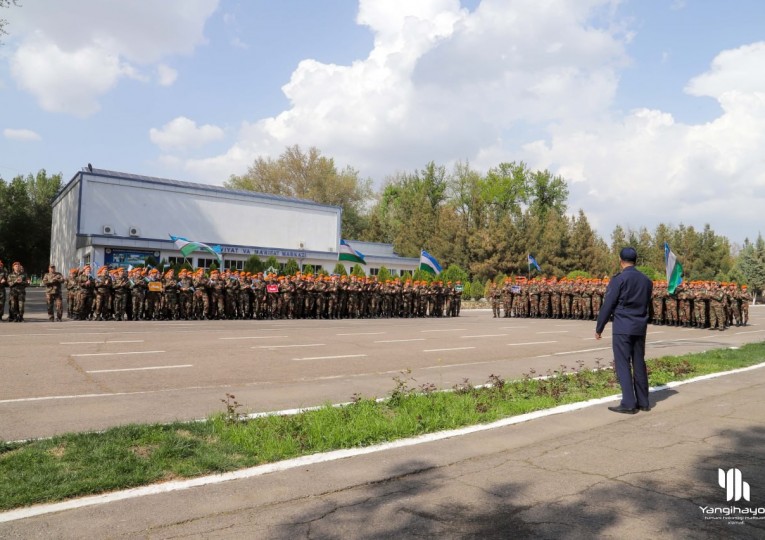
<point x="629" y="362"/>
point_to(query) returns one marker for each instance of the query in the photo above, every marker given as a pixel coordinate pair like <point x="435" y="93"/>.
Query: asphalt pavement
<point x="580" y="474"/>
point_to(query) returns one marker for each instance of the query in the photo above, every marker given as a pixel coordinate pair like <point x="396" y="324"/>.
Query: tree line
<point x="488" y="223"/>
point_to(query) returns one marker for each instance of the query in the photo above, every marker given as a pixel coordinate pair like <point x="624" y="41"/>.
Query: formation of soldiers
<point x="699" y="304"/>
<point x="145" y="294"/>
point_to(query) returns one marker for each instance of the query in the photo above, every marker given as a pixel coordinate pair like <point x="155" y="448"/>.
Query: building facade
<point x="119" y="219"/>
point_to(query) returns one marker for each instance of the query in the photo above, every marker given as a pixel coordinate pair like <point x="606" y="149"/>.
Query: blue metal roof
<point x="189" y="185"/>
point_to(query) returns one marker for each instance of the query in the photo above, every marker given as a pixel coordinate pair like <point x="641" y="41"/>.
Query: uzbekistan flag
<point x="347" y="253"/>
<point x="428" y="263"/>
<point x="187" y="247"/>
<point x="533" y="262"/>
<point x="674" y="270"/>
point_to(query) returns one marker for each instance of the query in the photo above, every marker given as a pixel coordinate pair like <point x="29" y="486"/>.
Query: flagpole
<point x="528" y="262"/>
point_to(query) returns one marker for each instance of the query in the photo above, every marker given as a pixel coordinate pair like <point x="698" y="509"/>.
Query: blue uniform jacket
<point x="628" y="297"/>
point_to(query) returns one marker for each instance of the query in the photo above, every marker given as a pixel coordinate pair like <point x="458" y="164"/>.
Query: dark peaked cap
<point x="628" y="254"/>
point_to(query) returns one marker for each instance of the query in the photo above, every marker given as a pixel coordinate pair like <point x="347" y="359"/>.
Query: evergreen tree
<point x="340" y="269"/>
<point x="253" y="264"/>
<point x="291" y="267"/>
<point x="358" y="271"/>
<point x="384" y="274"/>
<point x="476" y="289"/>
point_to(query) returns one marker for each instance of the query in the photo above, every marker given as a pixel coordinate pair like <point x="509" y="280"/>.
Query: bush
<point x="454" y="274"/>
<point x="476" y="289"/>
<point x="308" y="269"/>
<point x="578" y="274"/>
<point x="358" y="271"/>
<point x="340" y="270"/>
<point x="650" y="272"/>
<point x="384" y="274"/>
<point x="291" y="267"/>
<point x="253" y="264"/>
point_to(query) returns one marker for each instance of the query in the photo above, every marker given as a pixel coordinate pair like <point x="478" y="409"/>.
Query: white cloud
<point x="525" y="80"/>
<point x="648" y="168"/>
<point x="182" y="133"/>
<point x="441" y="83"/>
<point x="166" y="75"/>
<point x="21" y="135"/>
<point x="71" y="53"/>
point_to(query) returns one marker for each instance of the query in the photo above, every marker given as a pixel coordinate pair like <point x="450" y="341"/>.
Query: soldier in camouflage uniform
<point x="185" y="294"/>
<point x="121" y="288"/>
<point x="3" y="286"/>
<point x="544" y="298"/>
<point x="170" y="296"/>
<point x="744" y="299"/>
<point x="153" y="297"/>
<point x="670" y="309"/>
<point x="18" y="282"/>
<point x="716" y="311"/>
<point x="495" y="296"/>
<point x="72" y="293"/>
<point x="555" y="298"/>
<point x="53" y="281"/>
<point x="657" y="301"/>
<point x="699" y="304"/>
<point x="103" y="287"/>
<point x="684" y="307"/>
<point x="138" y="286"/>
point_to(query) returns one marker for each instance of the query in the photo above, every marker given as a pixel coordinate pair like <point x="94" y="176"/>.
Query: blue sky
<point x="653" y="111"/>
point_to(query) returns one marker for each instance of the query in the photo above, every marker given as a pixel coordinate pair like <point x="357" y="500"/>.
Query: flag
<point x="533" y="262"/>
<point x="347" y="253"/>
<point x="187" y="247"/>
<point x="674" y="270"/>
<point x="428" y="263"/>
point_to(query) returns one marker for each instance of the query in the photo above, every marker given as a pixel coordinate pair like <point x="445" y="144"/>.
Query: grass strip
<point x="79" y="464"/>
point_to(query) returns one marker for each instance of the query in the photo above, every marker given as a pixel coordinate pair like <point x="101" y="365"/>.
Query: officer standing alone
<point x="628" y="298"/>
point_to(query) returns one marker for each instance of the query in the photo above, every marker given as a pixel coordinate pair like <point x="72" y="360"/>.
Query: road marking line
<point x="285" y="346"/>
<point x="531" y="343"/>
<point x="138" y="369"/>
<point x="452" y="349"/>
<point x="512" y="327"/>
<point x="330" y="357"/>
<point x="362" y="334"/>
<point x="554" y="332"/>
<point x="544" y="356"/>
<point x="750" y="332"/>
<point x="117" y="353"/>
<point x="98" y="342"/>
<point x="446" y="330"/>
<point x="582" y="350"/>
<point x="592" y="338"/>
<point x="485" y="335"/>
<point x="254" y="337"/>
<point x="399" y="340"/>
<point x="460" y="365"/>
<point x="334" y="455"/>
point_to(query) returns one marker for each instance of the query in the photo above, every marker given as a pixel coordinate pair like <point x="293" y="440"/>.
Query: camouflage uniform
<point x="3" y="285"/>
<point x="72" y="294"/>
<point x="170" y="292"/>
<point x="52" y="281"/>
<point x="700" y="306"/>
<point x="495" y="295"/>
<point x="138" y="294"/>
<point x="684" y="306"/>
<point x="716" y="311"/>
<point x="18" y="282"/>
<point x="121" y="288"/>
<point x="103" y="287"/>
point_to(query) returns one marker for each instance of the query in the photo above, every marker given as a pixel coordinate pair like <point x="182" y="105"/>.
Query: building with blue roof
<point x="120" y="219"/>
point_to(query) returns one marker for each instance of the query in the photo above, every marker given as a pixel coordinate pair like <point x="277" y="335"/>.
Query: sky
<point x="653" y="111"/>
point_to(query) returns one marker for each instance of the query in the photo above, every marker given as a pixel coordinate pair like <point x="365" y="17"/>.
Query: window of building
<point x="234" y="265"/>
<point x="374" y="271"/>
<point x="176" y="260"/>
<point x="206" y="263"/>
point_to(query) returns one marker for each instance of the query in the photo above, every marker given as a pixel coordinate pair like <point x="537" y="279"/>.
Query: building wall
<point x="216" y="218"/>
<point x="63" y="245"/>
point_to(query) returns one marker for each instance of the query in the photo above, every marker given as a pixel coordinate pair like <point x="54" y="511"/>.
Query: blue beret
<point x="628" y="254"/>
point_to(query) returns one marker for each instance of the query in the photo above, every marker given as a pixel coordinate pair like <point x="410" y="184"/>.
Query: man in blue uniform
<point x="628" y="298"/>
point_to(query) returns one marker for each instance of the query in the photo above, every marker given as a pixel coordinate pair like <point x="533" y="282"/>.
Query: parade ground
<point x="583" y="473"/>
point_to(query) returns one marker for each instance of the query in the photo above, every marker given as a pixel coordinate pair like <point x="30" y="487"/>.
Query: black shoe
<point x="623" y="410"/>
<point x="644" y="409"/>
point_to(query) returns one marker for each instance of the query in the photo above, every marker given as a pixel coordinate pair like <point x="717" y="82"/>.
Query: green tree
<point x="384" y="274"/>
<point x="291" y="267"/>
<point x="340" y="269"/>
<point x="311" y="176"/>
<point x="751" y="264"/>
<point x="26" y="218"/>
<point x="476" y="289"/>
<point x="546" y="192"/>
<point x="271" y="262"/>
<point x="308" y="269"/>
<point x="454" y="274"/>
<point x="3" y="21"/>
<point x="253" y="264"/>
<point x="358" y="271"/>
